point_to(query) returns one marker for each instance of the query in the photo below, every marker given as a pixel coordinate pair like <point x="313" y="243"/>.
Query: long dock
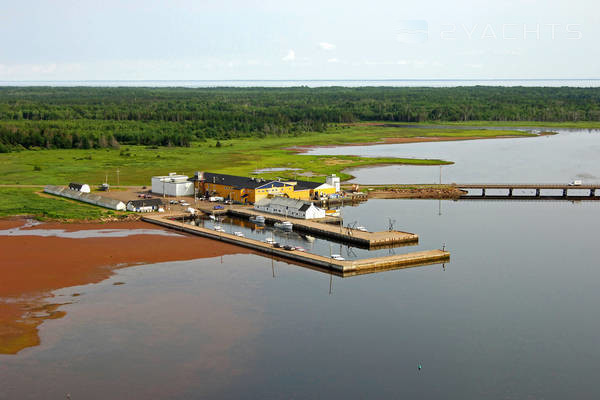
<point x="346" y="267"/>
<point x="345" y="235"/>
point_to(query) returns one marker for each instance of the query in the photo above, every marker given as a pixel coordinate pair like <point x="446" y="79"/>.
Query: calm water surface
<point x="514" y="315"/>
<point x="570" y="155"/>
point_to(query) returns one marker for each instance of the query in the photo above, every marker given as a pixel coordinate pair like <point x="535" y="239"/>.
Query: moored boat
<point x="285" y="225"/>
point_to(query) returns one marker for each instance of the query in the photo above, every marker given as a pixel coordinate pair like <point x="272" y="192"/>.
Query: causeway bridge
<point x="530" y="191"/>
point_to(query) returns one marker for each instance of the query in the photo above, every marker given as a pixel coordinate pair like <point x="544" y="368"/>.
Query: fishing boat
<point x="284" y="226"/>
<point x="338" y="257"/>
<point x="361" y="228"/>
<point x="300" y="249"/>
<point x="258" y="219"/>
<point x="269" y="240"/>
<point x="289" y="248"/>
<point x="237" y="233"/>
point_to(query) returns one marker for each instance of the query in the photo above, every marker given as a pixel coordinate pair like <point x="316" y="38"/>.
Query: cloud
<point x="474" y="65"/>
<point x="290" y="56"/>
<point x="327" y="46"/>
<point x="333" y="60"/>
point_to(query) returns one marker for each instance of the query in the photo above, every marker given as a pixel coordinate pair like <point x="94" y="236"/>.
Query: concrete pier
<point x="345" y="267"/>
<point x="345" y="235"/>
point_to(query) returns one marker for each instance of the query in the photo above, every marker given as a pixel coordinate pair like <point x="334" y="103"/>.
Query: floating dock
<point x="358" y="238"/>
<point x="346" y="267"/>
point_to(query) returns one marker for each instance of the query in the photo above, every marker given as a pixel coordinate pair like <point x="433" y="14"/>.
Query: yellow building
<point x="250" y="190"/>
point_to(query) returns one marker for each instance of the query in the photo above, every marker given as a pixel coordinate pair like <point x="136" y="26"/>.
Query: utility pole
<point x="440" y="174"/>
<point x="117" y="176"/>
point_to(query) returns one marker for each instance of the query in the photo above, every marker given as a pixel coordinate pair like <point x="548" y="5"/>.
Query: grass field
<point x="27" y="201"/>
<point x="136" y="164"/>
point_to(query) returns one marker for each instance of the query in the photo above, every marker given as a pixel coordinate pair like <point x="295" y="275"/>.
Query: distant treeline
<point x="84" y="117"/>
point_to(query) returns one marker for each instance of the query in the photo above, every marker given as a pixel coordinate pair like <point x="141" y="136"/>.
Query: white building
<point x="80" y="187"/>
<point x="172" y="185"/>
<point x="333" y="181"/>
<point x="146" y="205"/>
<point x="289" y="207"/>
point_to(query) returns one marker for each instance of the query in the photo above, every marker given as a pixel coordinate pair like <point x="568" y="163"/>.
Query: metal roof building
<point x="290" y="207"/>
<point x="85" y="197"/>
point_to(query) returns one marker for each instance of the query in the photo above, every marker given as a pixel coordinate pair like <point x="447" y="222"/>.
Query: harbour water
<point x="511" y="316"/>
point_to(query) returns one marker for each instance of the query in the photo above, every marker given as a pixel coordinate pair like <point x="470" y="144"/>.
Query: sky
<point x="227" y="39"/>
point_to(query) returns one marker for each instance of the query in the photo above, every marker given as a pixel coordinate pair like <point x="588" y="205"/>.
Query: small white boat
<point x="300" y="249"/>
<point x="258" y="219"/>
<point x="308" y="238"/>
<point x="284" y="226"/>
<point x="269" y="240"/>
<point x="212" y="217"/>
<point x="337" y="257"/>
<point x="361" y="228"/>
<point x="240" y="234"/>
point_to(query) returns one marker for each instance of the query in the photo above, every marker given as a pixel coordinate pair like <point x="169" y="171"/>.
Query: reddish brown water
<point x="36" y="264"/>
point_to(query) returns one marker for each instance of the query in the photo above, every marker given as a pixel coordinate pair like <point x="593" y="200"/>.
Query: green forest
<point x="94" y="117"/>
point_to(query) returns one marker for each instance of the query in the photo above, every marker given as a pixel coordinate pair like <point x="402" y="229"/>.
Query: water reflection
<point x="512" y="318"/>
<point x="312" y="244"/>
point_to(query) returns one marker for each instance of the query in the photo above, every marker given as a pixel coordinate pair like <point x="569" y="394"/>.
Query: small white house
<point x="172" y="185"/>
<point x="146" y="205"/>
<point x="289" y="207"/>
<point x="80" y="187"/>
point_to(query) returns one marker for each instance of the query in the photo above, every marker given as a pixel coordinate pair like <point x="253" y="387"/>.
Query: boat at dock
<point x="284" y="226"/>
<point x="258" y="219"/>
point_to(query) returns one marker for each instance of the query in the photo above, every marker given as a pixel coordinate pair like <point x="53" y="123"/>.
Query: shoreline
<point x="414" y="139"/>
<point x="35" y="266"/>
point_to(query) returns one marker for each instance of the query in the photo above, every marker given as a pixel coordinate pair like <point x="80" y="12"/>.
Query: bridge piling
<point x="565" y="192"/>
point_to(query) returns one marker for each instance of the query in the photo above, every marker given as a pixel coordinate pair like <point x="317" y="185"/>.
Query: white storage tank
<point x="172" y="185"/>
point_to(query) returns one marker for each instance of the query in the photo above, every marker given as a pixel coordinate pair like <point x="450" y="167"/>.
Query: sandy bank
<point x="416" y="193"/>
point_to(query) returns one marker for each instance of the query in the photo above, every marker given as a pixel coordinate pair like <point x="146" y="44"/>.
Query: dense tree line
<point x="84" y="117"/>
